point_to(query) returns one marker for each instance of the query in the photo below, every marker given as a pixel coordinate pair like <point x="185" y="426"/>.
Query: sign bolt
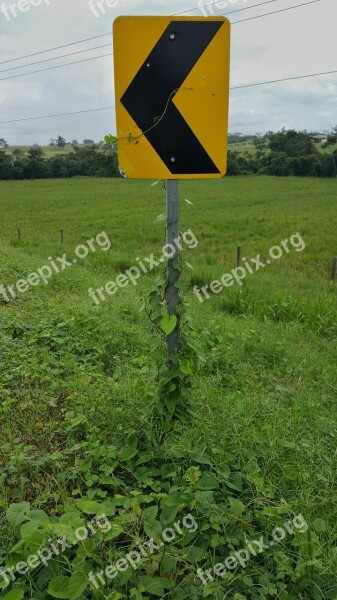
<point x="172" y="36"/>
<point x="173" y="159"/>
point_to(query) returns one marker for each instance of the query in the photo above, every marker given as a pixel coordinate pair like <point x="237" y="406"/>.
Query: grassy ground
<point x="249" y="147"/>
<point x="49" y="151"/>
<point x="267" y="388"/>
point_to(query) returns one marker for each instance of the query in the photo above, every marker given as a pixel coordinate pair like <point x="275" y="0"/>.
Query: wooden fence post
<point x="238" y="256"/>
<point x="334" y="269"/>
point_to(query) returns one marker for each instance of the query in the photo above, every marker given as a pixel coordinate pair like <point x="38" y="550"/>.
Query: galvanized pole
<point x="173" y="274"/>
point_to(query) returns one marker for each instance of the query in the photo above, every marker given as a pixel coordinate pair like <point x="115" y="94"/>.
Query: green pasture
<point x="266" y="390"/>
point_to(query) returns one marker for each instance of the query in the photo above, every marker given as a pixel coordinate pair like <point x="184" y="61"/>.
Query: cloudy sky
<point x="295" y="42"/>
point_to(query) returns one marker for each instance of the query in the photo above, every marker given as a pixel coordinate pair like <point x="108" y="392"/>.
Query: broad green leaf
<point x="109" y="139"/>
<point x="128" y="452"/>
<point x="195" y="553"/>
<point x="207" y="482"/>
<point x="235" y="482"/>
<point x="155" y="585"/>
<point x="59" y="587"/>
<point x="201" y="457"/>
<point x="153" y="529"/>
<point x="204" y="497"/>
<point x="272" y="511"/>
<point x="28" y="528"/>
<point x="168" y="564"/>
<point x="17" y="513"/>
<point x="90" y="507"/>
<point x="34" y="542"/>
<point x="77" y="420"/>
<point x="193" y="474"/>
<point x="38" y="515"/>
<point x="168" y="323"/>
<point x="114" y="532"/>
<point x="236" y="507"/>
<point x="319" y="525"/>
<point x="178" y="498"/>
<point x="185" y="367"/>
<point x="223" y="470"/>
<point x="150" y="512"/>
<point x="168" y="470"/>
<point x="14" y="595"/>
<point x="169" y="514"/>
<point x="77" y="585"/>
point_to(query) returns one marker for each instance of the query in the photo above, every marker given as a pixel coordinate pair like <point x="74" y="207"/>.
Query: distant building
<point x="318" y="138"/>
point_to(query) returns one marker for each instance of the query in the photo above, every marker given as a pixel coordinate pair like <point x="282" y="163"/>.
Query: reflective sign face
<point x="172" y="88"/>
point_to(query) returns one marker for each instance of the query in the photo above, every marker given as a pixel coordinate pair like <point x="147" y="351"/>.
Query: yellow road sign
<point x="172" y="88"/>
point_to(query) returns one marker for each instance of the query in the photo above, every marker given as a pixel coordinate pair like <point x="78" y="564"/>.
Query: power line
<point x="76" y="62"/>
<point x="274" y="12"/>
<point x="232" y="88"/>
<point x="247" y="85"/>
<point x="55" y="58"/>
<point x="225" y="14"/>
<point x="104" y="55"/>
<point x="77" y="112"/>
<point x="176" y="14"/>
<point x="56" y="48"/>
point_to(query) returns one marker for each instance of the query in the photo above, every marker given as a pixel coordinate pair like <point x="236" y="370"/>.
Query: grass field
<point x="250" y="148"/>
<point x="48" y="151"/>
<point x="266" y="391"/>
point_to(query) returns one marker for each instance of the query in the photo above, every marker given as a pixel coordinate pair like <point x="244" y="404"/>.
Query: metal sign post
<point x="173" y="274"/>
<point x="172" y="96"/>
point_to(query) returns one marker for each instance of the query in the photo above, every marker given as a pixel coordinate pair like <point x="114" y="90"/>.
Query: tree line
<point x="34" y="165"/>
<point x="282" y="154"/>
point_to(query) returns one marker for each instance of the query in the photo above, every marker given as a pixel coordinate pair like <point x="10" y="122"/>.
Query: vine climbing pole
<point x="173" y="273"/>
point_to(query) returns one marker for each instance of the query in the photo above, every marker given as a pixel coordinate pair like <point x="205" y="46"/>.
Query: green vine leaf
<point x="109" y="139"/>
<point x="185" y="367"/>
<point x="168" y="323"/>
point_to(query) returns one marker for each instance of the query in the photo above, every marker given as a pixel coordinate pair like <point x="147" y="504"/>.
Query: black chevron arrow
<point x="151" y="92"/>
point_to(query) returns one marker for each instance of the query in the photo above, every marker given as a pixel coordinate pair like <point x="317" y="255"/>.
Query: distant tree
<point x="35" y="152"/>
<point x="260" y="143"/>
<point x="74" y="143"/>
<point x="291" y="143"/>
<point x="3" y="143"/>
<point x="88" y="142"/>
<point x="52" y="142"/>
<point x="60" y="141"/>
<point x="5" y="165"/>
<point x="17" y="152"/>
